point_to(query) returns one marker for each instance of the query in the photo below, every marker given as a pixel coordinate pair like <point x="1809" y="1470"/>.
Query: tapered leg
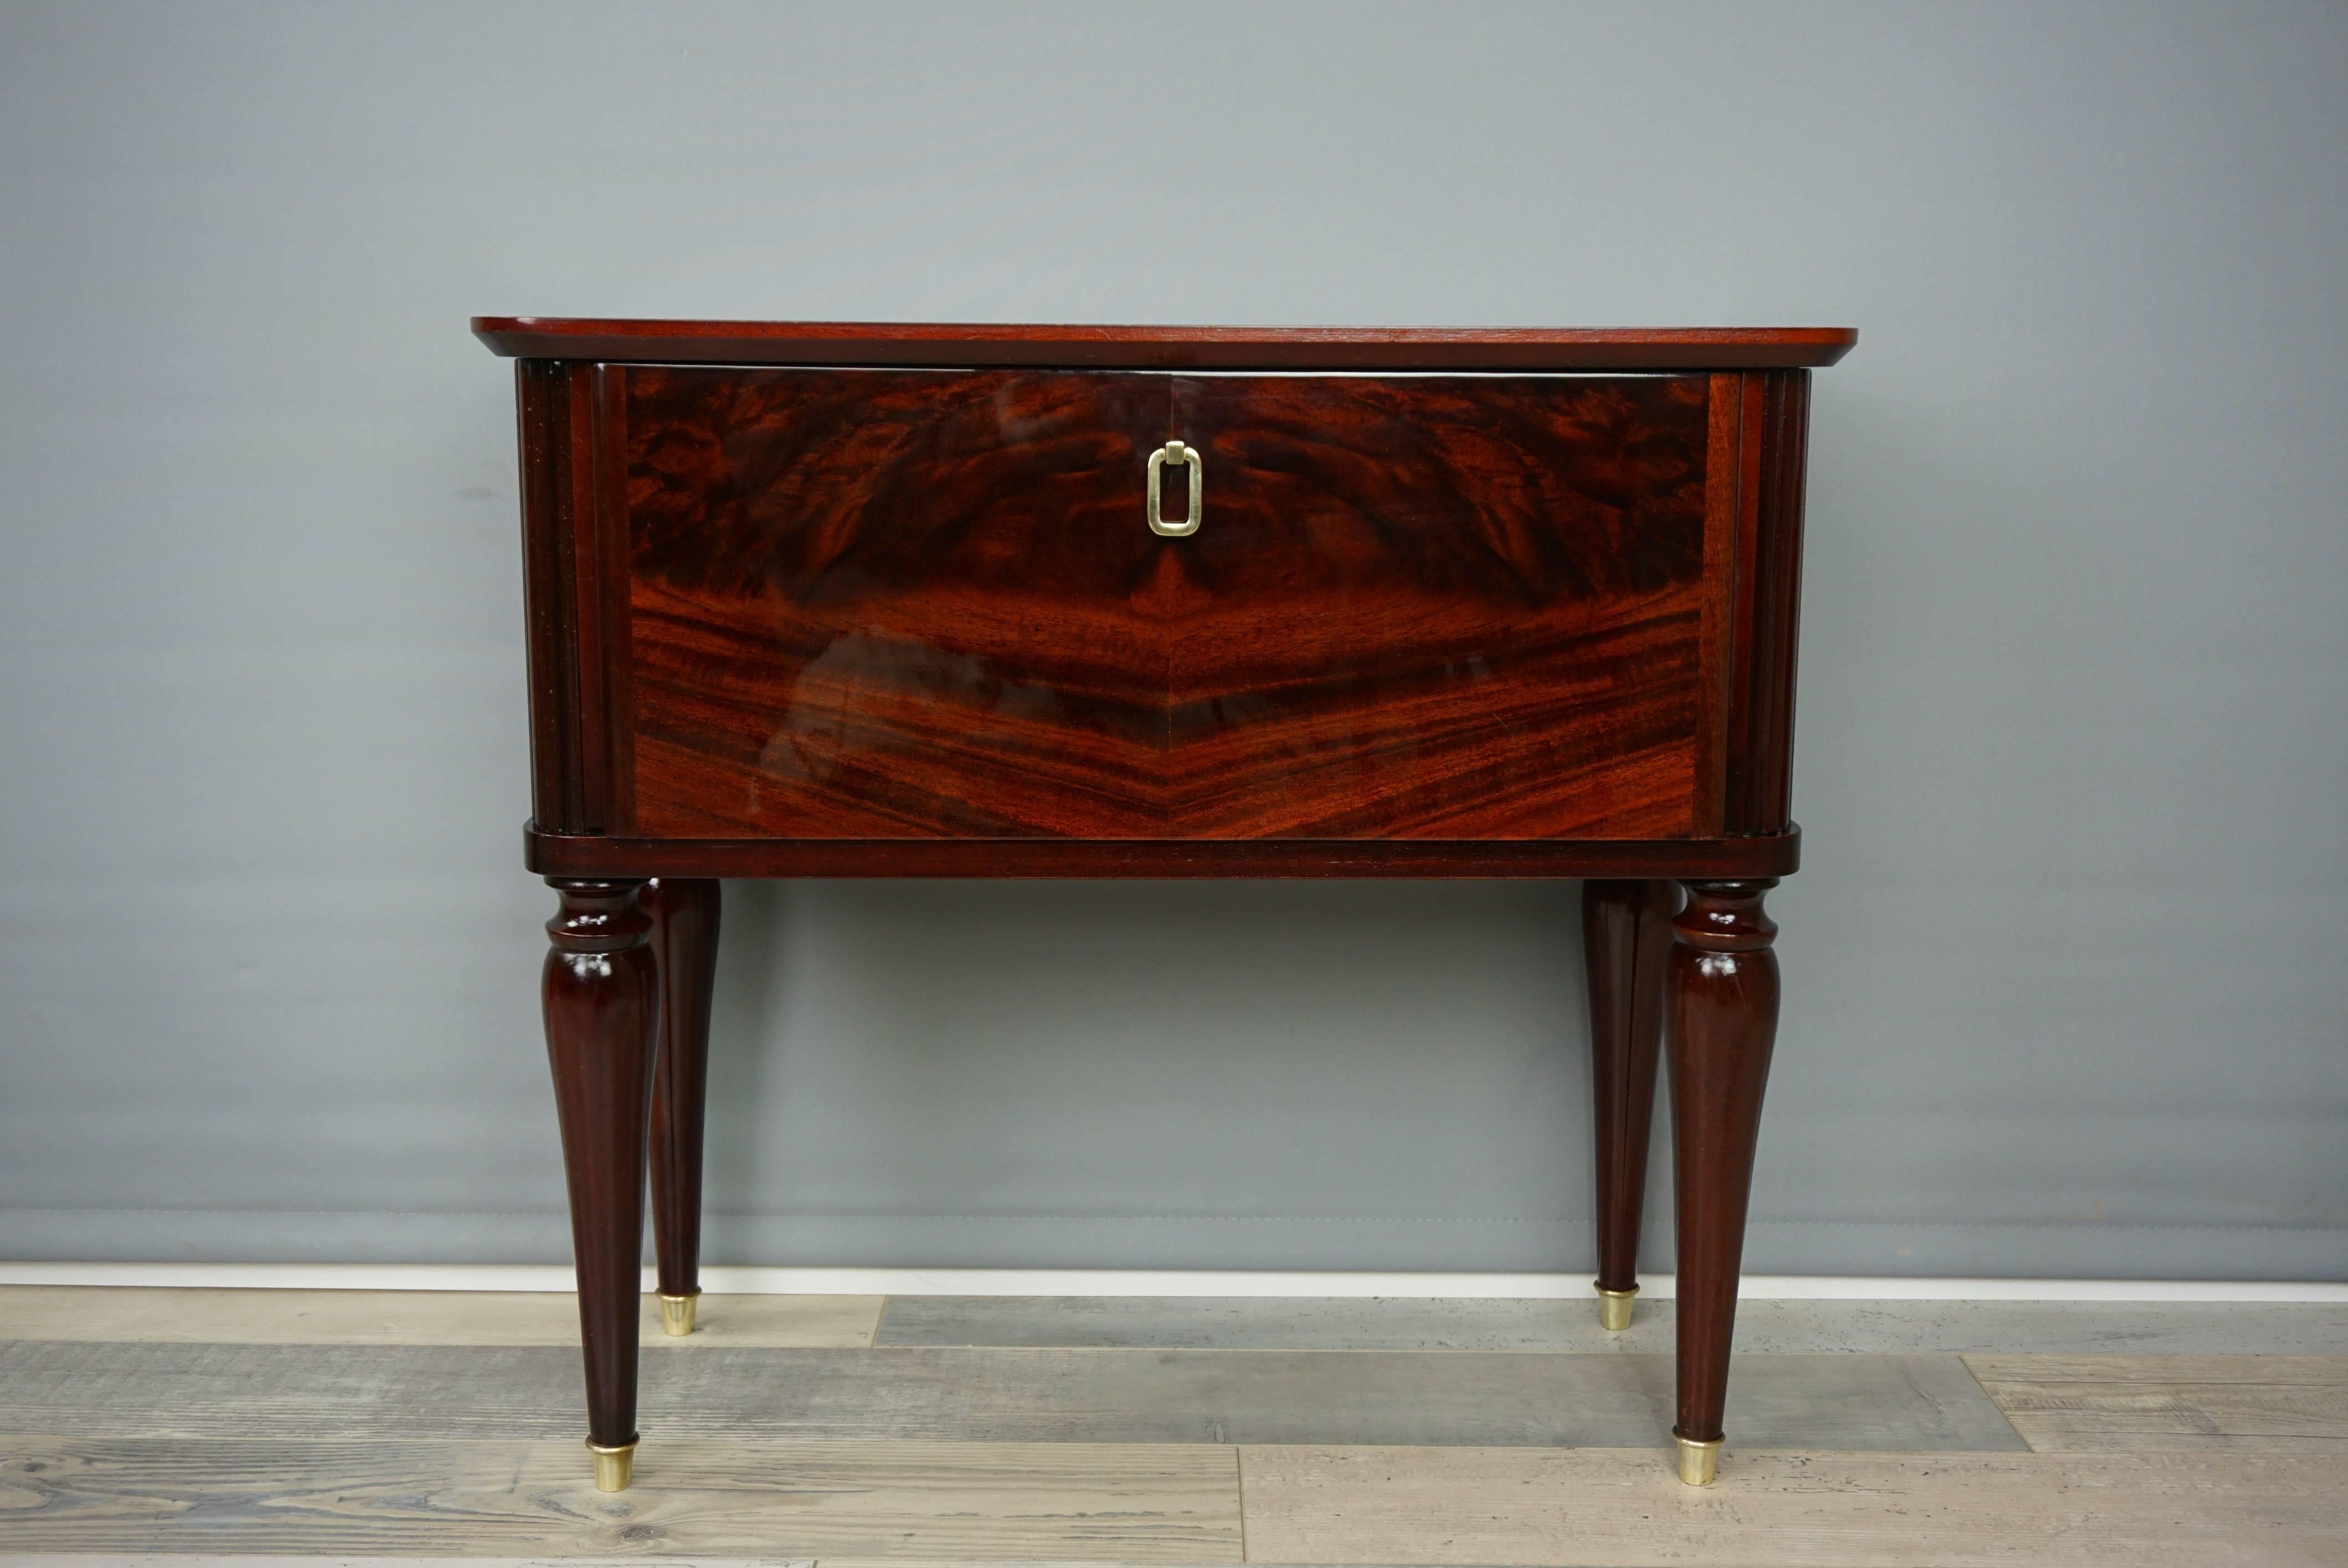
<point x="602" y="1008"/>
<point x="1724" y="1021"/>
<point x="684" y="912"/>
<point x="1626" y="935"/>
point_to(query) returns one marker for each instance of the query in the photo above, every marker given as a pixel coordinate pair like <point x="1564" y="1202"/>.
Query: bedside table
<point x="822" y="599"/>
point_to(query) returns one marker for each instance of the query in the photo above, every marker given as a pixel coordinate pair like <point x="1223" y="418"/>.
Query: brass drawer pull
<point x="1175" y="452"/>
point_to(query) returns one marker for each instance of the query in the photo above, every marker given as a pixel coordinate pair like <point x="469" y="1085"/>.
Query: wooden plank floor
<point x="1891" y="1327"/>
<point x="415" y="1318"/>
<point x="142" y="1426"/>
<point x="1899" y="1403"/>
<point x="2088" y="1404"/>
<point x="1584" y="1506"/>
<point x="1160" y="1503"/>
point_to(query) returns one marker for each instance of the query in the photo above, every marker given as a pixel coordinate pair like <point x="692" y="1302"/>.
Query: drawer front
<point x="883" y="603"/>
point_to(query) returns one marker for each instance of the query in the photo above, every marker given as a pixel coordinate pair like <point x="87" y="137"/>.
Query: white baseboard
<point x="1137" y="1282"/>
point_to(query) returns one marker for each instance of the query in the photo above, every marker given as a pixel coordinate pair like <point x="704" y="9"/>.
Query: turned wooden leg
<point x="1723" y="1021"/>
<point x="1626" y="935"/>
<point x="684" y="913"/>
<point x="602" y="1008"/>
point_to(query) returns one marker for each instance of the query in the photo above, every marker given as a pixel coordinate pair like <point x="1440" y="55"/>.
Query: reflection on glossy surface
<point x="916" y="603"/>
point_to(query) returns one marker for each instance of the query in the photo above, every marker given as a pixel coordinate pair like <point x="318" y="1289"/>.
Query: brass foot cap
<point x="677" y="1313"/>
<point x="1699" y="1462"/>
<point x="1614" y="1308"/>
<point x="613" y="1465"/>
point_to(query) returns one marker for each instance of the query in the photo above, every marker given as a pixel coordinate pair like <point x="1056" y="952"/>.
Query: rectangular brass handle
<point x="1175" y="452"/>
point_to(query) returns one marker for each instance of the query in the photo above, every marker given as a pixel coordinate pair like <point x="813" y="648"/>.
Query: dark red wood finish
<point x="1440" y="607"/>
<point x="830" y="621"/>
<point x="1626" y="934"/>
<point x="575" y="587"/>
<point x="602" y="1008"/>
<point x="893" y="604"/>
<point x="684" y="916"/>
<point x="575" y="519"/>
<point x="921" y="604"/>
<point x="1775" y="854"/>
<point x="549" y="525"/>
<point x="1774" y="438"/>
<point x="1124" y="347"/>
<point x="1723" y="999"/>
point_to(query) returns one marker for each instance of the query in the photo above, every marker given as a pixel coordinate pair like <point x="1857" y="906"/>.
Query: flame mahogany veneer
<point x="843" y="600"/>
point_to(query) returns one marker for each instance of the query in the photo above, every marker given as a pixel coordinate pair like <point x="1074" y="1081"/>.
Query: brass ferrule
<point x="1614" y="1308"/>
<point x="613" y="1466"/>
<point x="677" y="1314"/>
<point x="1699" y="1462"/>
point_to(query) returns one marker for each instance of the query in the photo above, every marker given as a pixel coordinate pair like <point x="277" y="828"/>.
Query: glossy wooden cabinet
<point x="818" y="599"/>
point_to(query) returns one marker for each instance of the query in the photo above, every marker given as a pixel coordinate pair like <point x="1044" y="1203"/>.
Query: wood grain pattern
<point x="1244" y="348"/>
<point x="1722" y="1001"/>
<point x="1533" y="619"/>
<point x="1894" y="1402"/>
<point x="886" y="605"/>
<point x="1822" y="1510"/>
<point x="2316" y="1330"/>
<point x="349" y="1560"/>
<point x="1626" y="933"/>
<point x="940" y="1501"/>
<point x="542" y="395"/>
<point x="196" y="1316"/>
<point x="1775" y="855"/>
<point x="1236" y="1323"/>
<point x="1776" y="439"/>
<point x="1439" y="607"/>
<point x="891" y="605"/>
<point x="601" y="1005"/>
<point x="248" y="1446"/>
<point x="2265" y="1404"/>
<point x="606" y="642"/>
<point x="686" y="914"/>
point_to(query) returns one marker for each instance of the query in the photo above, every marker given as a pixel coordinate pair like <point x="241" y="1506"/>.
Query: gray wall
<point x="2062" y="976"/>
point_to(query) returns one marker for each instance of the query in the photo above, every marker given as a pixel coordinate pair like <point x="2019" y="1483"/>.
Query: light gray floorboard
<point x="1577" y="1508"/>
<point x="1245" y="1323"/>
<point x="962" y="1502"/>
<point x="2275" y="1404"/>
<point x="273" y="1560"/>
<point x="1847" y="1402"/>
<point x="199" y="1315"/>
